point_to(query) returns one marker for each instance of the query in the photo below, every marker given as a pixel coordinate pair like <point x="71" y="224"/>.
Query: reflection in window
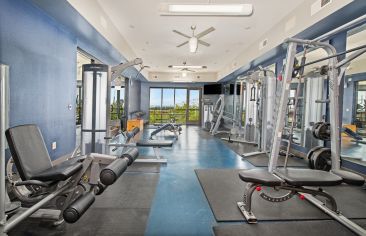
<point x="354" y="99"/>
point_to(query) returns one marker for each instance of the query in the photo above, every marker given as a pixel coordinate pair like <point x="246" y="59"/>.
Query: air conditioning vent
<point x="318" y="5"/>
<point x="325" y="2"/>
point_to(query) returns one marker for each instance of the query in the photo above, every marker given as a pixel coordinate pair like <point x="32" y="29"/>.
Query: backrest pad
<point x="28" y="150"/>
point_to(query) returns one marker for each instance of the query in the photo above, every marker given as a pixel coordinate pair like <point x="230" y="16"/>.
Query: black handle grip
<point x="113" y="171"/>
<point x="76" y="209"/>
<point x="132" y="133"/>
<point x="131" y="154"/>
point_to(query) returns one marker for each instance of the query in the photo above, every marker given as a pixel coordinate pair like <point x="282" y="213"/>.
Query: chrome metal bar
<point x="12" y="222"/>
<point x="337" y="216"/>
<point x="351" y="57"/>
<point x="277" y="137"/>
<point x="4" y="104"/>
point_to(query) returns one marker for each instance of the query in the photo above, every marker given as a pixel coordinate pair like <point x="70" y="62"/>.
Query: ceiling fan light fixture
<point x="187" y="67"/>
<point x="193" y="44"/>
<point x="184" y="74"/>
<point x="206" y="9"/>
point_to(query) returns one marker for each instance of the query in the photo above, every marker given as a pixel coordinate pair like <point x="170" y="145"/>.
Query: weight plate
<point x="315" y="127"/>
<point x="322" y="159"/>
<point x="323" y="132"/>
<point x="310" y="154"/>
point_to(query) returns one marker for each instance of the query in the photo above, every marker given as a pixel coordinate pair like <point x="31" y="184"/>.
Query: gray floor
<point x="144" y="167"/>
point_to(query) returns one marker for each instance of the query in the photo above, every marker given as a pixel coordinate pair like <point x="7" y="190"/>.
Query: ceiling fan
<point x="186" y="68"/>
<point x="194" y="40"/>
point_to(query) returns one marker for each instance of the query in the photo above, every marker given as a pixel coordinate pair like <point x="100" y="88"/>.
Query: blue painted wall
<point x="39" y="41"/>
<point x="42" y="59"/>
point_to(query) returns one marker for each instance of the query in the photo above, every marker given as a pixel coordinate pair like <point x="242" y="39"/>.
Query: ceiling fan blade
<point x="180" y="45"/>
<point x="203" y="33"/>
<point x="203" y="43"/>
<point x="181" y="34"/>
<point x="190" y="70"/>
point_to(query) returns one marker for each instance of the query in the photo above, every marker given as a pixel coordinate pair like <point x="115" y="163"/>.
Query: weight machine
<point x="254" y="108"/>
<point x="296" y="180"/>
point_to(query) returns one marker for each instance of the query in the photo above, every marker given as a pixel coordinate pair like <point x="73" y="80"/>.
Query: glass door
<point x="193" y="111"/>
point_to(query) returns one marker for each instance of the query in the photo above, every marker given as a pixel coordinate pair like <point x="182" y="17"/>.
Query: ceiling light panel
<point x="206" y="9"/>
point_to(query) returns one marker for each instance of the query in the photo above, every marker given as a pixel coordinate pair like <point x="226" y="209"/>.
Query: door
<point x="194" y="106"/>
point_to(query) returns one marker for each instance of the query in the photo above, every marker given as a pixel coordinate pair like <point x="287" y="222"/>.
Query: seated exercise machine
<point x="131" y="140"/>
<point x="65" y="190"/>
<point x="307" y="183"/>
<point x="70" y="186"/>
<point x="172" y="127"/>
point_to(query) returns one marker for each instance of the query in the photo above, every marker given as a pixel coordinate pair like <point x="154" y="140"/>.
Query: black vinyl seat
<point x="60" y="172"/>
<point x="154" y="143"/>
<point x="350" y="177"/>
<point x="307" y="177"/>
<point x="260" y="176"/>
<point x="31" y="157"/>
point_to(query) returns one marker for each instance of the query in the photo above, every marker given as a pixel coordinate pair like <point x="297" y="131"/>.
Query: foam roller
<point x="131" y="154"/>
<point x="76" y="209"/>
<point x="113" y="171"/>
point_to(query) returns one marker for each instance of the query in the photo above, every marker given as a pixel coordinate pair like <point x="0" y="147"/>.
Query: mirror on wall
<point x="312" y="88"/>
<point x="354" y="101"/>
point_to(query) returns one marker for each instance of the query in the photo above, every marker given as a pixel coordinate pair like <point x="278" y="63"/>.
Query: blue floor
<point x="180" y="206"/>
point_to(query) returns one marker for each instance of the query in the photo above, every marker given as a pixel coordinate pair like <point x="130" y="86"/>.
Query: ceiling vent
<point x="319" y="5"/>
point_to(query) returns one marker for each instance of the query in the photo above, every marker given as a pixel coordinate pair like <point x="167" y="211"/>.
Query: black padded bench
<point x="294" y="180"/>
<point x="154" y="143"/>
<point x="27" y="141"/>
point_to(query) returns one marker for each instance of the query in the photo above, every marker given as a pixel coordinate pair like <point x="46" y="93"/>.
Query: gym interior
<point x="173" y="117"/>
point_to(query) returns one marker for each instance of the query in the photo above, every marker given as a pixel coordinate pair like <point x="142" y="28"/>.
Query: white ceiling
<point x="150" y="35"/>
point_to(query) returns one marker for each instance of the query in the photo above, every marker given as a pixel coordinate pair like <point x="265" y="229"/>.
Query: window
<point x="179" y="105"/>
<point x="155" y="105"/>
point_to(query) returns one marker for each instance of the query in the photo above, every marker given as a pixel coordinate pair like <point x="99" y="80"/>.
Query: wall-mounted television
<point x="232" y="89"/>
<point x="212" y="89"/>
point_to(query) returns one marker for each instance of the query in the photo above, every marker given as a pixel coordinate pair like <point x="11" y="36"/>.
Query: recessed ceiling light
<point x="206" y="9"/>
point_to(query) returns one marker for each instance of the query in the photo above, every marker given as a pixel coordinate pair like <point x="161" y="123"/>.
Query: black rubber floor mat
<point x="223" y="189"/>
<point x="298" y="228"/>
<point x="123" y="209"/>
<point x="261" y="160"/>
<point x="144" y="167"/>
